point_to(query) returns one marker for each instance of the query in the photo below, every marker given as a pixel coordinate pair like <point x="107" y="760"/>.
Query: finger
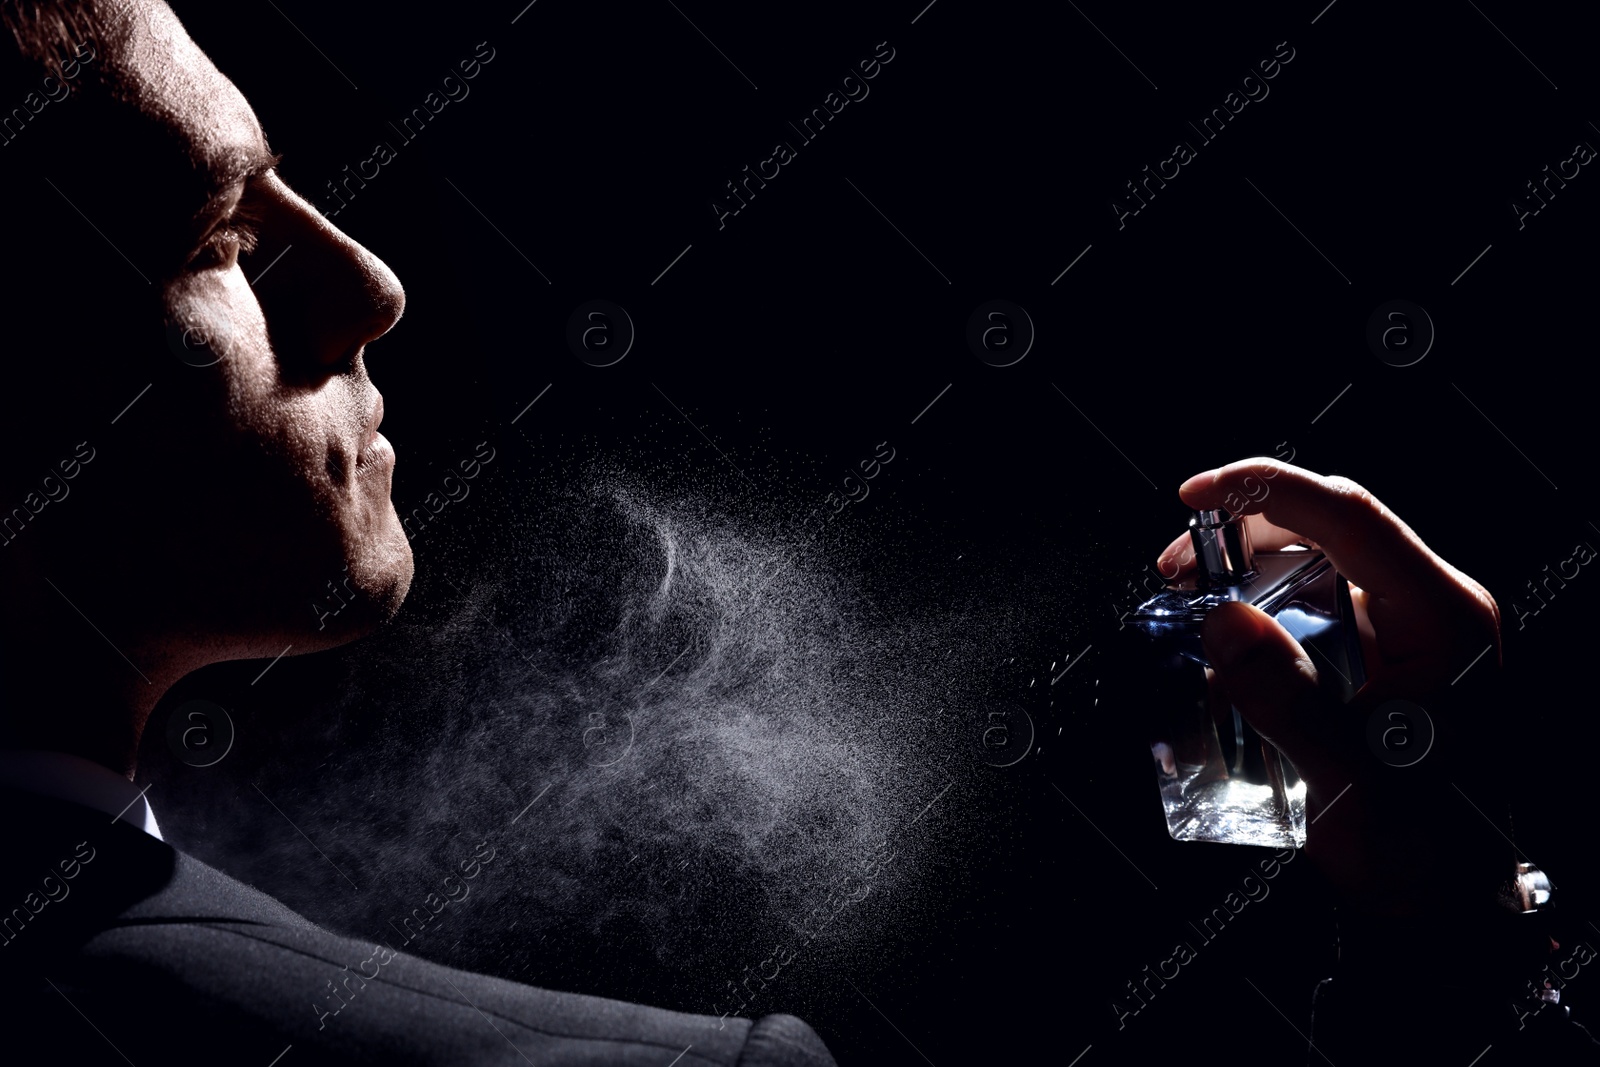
<point x="1270" y="537"/>
<point x="1365" y="540"/>
<point x="1272" y="681"/>
<point x="1178" y="557"/>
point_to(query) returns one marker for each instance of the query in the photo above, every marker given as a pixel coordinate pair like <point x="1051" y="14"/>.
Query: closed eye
<point x="234" y="236"/>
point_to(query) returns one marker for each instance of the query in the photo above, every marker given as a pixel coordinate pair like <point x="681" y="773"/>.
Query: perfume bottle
<point x="1220" y="780"/>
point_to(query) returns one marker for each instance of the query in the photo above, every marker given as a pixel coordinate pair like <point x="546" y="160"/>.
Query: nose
<point x="325" y="296"/>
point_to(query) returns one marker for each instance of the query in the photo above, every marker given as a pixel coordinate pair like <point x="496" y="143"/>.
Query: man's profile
<point x="155" y="189"/>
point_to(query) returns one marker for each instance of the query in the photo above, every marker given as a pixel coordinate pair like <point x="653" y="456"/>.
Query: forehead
<point x="159" y="71"/>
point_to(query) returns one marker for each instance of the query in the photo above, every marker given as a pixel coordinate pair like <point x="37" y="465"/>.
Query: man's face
<point x="251" y="504"/>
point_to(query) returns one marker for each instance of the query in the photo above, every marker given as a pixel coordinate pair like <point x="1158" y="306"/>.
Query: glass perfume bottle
<point x="1220" y="780"/>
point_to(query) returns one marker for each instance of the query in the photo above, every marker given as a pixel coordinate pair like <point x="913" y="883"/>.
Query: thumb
<point x="1273" y="682"/>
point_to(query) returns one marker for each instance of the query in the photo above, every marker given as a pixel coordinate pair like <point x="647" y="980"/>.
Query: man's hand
<point x="1391" y="845"/>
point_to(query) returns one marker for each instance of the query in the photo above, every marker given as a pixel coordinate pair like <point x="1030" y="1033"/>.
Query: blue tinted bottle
<point x="1219" y="779"/>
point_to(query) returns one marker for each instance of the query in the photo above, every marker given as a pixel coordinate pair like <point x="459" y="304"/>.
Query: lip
<point x="377" y="456"/>
<point x="375" y="448"/>
<point x="373" y="421"/>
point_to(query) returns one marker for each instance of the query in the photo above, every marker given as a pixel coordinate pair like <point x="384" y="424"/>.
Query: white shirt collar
<point x="64" y="776"/>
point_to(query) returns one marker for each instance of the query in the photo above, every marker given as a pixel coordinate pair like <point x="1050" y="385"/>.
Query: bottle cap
<point x="1222" y="547"/>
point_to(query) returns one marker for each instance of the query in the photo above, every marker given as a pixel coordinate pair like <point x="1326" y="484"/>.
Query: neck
<point x="79" y="679"/>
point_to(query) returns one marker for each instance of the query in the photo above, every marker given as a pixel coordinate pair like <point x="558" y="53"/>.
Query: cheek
<point x="269" y="448"/>
<point x="201" y="328"/>
<point x="218" y="336"/>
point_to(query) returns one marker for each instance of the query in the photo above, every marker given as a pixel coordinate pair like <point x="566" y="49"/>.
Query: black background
<point x="1207" y="329"/>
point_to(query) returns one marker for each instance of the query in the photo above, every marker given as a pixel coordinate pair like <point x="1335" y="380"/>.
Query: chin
<point x="377" y="578"/>
<point x="395" y="595"/>
<point x="394" y="569"/>
<point x="384" y="577"/>
<point x="359" y="617"/>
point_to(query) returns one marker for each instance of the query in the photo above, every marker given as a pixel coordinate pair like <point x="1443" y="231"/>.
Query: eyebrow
<point x="239" y="167"/>
<point x="242" y="164"/>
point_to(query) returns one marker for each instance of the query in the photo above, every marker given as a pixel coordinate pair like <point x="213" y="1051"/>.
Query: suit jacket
<point x="112" y="940"/>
